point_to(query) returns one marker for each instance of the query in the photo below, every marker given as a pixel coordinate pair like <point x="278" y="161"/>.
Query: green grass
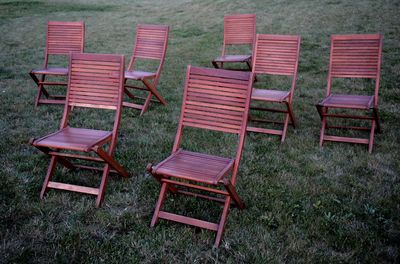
<point x="303" y="203"/>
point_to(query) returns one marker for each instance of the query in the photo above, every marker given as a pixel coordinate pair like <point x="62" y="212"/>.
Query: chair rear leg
<point x="41" y="90"/>
<point x="322" y="133"/>
<point x="285" y="127"/>
<point x="377" y="119"/>
<point x="49" y="175"/>
<point x="222" y="222"/>
<point x="146" y="103"/>
<point x="290" y="110"/>
<point x="371" y="136"/>
<point x="103" y="185"/>
<point x="159" y="204"/>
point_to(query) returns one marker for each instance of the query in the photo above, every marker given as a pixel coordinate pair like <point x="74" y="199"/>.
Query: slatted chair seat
<point x="51" y="71"/>
<point x="186" y="165"/>
<point x="217" y="100"/>
<point x="238" y="30"/>
<point x="233" y="58"/>
<point x="352" y="56"/>
<point x="69" y="138"/>
<point x="269" y="95"/>
<point x="151" y="45"/>
<point x="62" y="38"/>
<point x="139" y="75"/>
<point x="348" y="101"/>
<point x="275" y="55"/>
<point x="95" y="81"/>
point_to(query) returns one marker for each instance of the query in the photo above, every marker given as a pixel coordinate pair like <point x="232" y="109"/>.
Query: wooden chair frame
<point x="61" y="39"/>
<point x="150" y="44"/>
<point x="95" y="81"/>
<point x="238" y="30"/>
<point x="224" y="109"/>
<point x="352" y="56"/>
<point x="276" y="55"/>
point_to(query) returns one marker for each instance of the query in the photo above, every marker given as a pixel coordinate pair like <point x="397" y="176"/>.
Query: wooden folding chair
<point x="352" y="56"/>
<point x="275" y="55"/>
<point x="150" y="44"/>
<point x="61" y="39"/>
<point x="214" y="99"/>
<point x="95" y="81"/>
<point x="238" y="30"/>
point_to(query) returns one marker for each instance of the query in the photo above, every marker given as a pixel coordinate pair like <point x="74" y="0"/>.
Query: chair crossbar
<point x="188" y="220"/>
<point x="73" y="188"/>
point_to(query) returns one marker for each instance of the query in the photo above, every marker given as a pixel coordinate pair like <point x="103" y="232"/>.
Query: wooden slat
<point x="188" y="220"/>
<point x="73" y="188"/>
<point x="346" y="139"/>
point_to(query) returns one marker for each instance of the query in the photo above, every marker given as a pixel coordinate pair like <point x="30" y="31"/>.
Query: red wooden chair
<point x="95" y="81"/>
<point x="238" y="30"/>
<point x="213" y="100"/>
<point x="150" y="44"/>
<point x="352" y="56"/>
<point x="61" y="39"/>
<point x="276" y="55"/>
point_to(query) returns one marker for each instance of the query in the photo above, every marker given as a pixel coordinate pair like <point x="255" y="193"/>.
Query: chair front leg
<point x="49" y="175"/>
<point x="103" y="185"/>
<point x="371" y="136"/>
<point x="159" y="204"/>
<point x="221" y="225"/>
<point x="285" y="127"/>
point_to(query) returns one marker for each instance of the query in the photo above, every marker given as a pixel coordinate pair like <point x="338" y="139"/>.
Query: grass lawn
<point x="303" y="203"/>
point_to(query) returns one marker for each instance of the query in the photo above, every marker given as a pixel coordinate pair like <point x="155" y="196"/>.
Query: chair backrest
<point x="150" y="43"/>
<point x="95" y="81"/>
<point x="277" y="55"/>
<point x="62" y="38"/>
<point x="239" y="30"/>
<point x="218" y="100"/>
<point x="356" y="56"/>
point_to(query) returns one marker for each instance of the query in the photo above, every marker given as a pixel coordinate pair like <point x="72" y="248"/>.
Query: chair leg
<point x="40" y="90"/>
<point x="285" y="127"/>
<point x="146" y="103"/>
<point x="231" y="190"/>
<point x="321" y="138"/>
<point x="49" y="175"/>
<point x="378" y="123"/>
<point x="109" y="160"/>
<point x="222" y="222"/>
<point x="153" y="90"/>
<point x="159" y="204"/>
<point x="371" y="136"/>
<point x="292" y="119"/>
<point x="215" y="64"/>
<point x="103" y="185"/>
